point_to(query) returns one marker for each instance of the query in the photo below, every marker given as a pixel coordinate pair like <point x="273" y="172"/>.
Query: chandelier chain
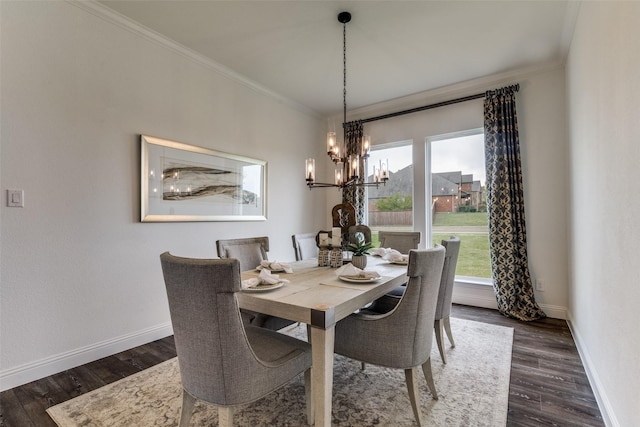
<point x="344" y="72"/>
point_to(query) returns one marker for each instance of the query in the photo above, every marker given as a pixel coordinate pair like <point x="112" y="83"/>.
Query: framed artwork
<point x="181" y="182"/>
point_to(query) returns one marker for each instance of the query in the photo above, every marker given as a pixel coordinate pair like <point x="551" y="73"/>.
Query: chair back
<point x="445" y="294"/>
<point x="249" y="251"/>
<point x="213" y="351"/>
<point x="415" y="312"/>
<point x="401" y="338"/>
<point x="402" y="241"/>
<point x="305" y="246"/>
<point x="360" y="228"/>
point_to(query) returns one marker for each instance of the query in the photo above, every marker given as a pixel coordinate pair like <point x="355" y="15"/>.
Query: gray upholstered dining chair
<point x="405" y="331"/>
<point x="443" y="309"/>
<point x="222" y="362"/>
<point x="402" y="241"/>
<point x="250" y="252"/>
<point x="305" y="246"/>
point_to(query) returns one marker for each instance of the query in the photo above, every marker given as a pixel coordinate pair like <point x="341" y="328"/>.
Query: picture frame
<point x="185" y="183"/>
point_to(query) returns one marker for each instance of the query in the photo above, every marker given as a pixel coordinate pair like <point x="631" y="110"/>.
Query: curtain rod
<point x="514" y="88"/>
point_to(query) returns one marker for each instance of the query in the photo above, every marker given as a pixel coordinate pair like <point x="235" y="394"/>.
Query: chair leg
<point x="186" y="410"/>
<point x="428" y="375"/>
<point x="225" y="416"/>
<point x="440" y="339"/>
<point x="308" y="397"/>
<point x="362" y="366"/>
<point x="411" y="376"/>
<point x="447" y="328"/>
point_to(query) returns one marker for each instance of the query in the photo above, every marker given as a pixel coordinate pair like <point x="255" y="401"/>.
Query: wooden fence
<point x="390" y="218"/>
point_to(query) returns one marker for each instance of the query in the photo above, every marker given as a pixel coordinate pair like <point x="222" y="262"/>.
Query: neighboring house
<point x="449" y="190"/>
<point x="452" y="190"/>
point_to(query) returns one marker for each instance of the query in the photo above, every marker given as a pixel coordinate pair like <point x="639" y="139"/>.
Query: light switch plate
<point x="15" y="198"/>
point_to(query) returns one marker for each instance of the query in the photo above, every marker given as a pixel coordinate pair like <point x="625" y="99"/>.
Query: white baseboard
<point x="23" y="374"/>
<point x="606" y="410"/>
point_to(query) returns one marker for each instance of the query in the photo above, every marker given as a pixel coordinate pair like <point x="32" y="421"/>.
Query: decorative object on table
<point x="343" y="215"/>
<point x="348" y="157"/>
<point x="323" y="239"/>
<point x="355" y="231"/>
<point x="181" y="182"/>
<point x="323" y="257"/>
<point x="360" y="249"/>
<point x="336" y="237"/>
<point x="335" y="258"/>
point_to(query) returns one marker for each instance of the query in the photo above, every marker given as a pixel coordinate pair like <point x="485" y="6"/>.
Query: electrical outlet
<point x="539" y="285"/>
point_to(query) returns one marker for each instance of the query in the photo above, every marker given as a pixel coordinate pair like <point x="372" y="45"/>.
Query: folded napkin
<point x="349" y="270"/>
<point x="380" y="251"/>
<point x="264" y="278"/>
<point x="395" y="256"/>
<point x="277" y="266"/>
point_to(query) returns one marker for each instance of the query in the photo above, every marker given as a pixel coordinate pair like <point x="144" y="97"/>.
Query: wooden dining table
<point x="316" y="296"/>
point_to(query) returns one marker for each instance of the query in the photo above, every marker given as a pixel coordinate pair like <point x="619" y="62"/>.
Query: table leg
<point x="322" y="341"/>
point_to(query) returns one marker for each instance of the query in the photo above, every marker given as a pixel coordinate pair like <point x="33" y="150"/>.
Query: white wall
<point x="80" y="275"/>
<point x="604" y="127"/>
<point x="541" y="120"/>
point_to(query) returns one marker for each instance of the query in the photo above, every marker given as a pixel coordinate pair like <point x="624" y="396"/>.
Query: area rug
<point x="473" y="388"/>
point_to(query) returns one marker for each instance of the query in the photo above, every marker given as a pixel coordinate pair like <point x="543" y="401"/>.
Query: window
<point x="390" y="206"/>
<point x="458" y="199"/>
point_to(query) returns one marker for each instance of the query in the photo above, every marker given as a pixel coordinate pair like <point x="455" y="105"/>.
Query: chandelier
<point x="349" y="159"/>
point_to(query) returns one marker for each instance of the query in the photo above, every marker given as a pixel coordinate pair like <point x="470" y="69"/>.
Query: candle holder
<point x="323" y="257"/>
<point x="335" y="258"/>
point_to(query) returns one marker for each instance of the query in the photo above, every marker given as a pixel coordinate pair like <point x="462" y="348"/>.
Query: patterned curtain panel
<point x="505" y="205"/>
<point x="355" y="195"/>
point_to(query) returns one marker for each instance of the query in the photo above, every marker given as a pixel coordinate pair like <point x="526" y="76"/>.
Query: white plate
<point x="263" y="288"/>
<point x="352" y="279"/>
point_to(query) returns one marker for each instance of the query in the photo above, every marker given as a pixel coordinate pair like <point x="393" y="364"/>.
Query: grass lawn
<point x="452" y="219"/>
<point x="474" y="258"/>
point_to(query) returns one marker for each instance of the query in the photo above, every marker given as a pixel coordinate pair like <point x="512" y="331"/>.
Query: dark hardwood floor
<point x="548" y="387"/>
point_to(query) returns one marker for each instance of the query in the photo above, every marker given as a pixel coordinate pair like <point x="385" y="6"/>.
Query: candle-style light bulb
<point x="353" y="164"/>
<point x="331" y="142"/>
<point x="366" y="146"/>
<point x="310" y="170"/>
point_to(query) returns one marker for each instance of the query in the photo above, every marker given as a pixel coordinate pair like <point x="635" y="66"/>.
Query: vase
<point x="359" y="261"/>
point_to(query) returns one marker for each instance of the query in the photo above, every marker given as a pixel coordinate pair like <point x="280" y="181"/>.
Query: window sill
<point x="467" y="280"/>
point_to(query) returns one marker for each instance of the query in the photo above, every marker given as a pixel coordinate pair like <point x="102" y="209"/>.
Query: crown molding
<point x="103" y="12"/>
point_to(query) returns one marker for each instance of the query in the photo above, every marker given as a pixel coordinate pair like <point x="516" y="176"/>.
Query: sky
<point x="465" y="154"/>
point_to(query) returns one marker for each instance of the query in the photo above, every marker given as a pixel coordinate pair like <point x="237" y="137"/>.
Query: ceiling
<point x="394" y="48"/>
